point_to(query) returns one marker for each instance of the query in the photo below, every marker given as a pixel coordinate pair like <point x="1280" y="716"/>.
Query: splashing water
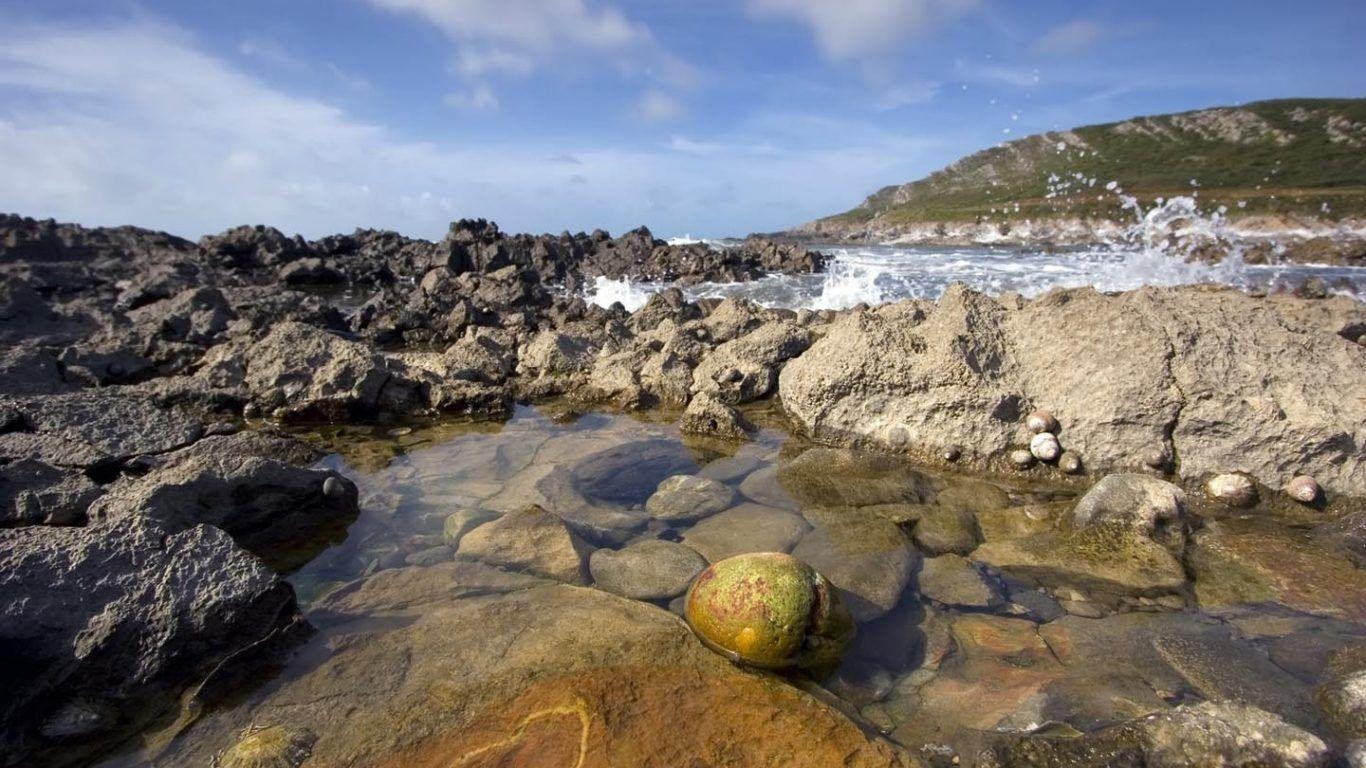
<point x="1157" y="249"/>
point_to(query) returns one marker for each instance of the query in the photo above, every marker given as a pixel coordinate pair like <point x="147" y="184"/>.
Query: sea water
<point x="1155" y="250"/>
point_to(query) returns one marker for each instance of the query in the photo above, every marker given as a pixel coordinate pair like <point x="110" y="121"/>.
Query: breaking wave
<point x="1156" y="250"/>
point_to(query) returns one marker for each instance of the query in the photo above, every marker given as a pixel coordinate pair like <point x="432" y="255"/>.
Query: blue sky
<point x="709" y="117"/>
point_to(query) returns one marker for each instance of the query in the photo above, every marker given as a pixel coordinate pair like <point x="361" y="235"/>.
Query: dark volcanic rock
<point x="94" y="429"/>
<point x="270" y="508"/>
<point x="120" y="618"/>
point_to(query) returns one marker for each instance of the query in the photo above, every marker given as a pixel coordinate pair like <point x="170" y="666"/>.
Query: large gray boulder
<point x="101" y="627"/>
<point x="1216" y="379"/>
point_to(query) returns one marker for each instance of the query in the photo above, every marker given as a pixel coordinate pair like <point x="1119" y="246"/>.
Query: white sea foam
<point x="605" y="292"/>
<point x="1154" y="250"/>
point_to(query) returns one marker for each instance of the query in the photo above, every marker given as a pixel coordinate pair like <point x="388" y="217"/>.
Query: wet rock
<point x="835" y="477"/>
<point x="687" y="498"/>
<point x="1303" y="489"/>
<point x="531" y="540"/>
<point x="408" y="588"/>
<point x="1040" y="422"/>
<point x="461" y="522"/>
<point x="1211" y="733"/>
<point x="553" y="487"/>
<point x="867" y="557"/>
<point x="1354" y="754"/>
<point x="1045" y="447"/>
<point x="1021" y="522"/>
<point x="1146" y="505"/>
<point x="769" y="610"/>
<point x="1346" y="535"/>
<point x="946" y="529"/>
<point x="124" y="615"/>
<point x="954" y="581"/>
<point x="272" y="746"/>
<point x="430" y="556"/>
<point x="746" y="528"/>
<point x="1343" y="704"/>
<point x="706" y="415"/>
<point x="1234" y="490"/>
<point x="647" y="570"/>
<point x="511" y="678"/>
<point x="1106" y="561"/>
<point x="1241" y="563"/>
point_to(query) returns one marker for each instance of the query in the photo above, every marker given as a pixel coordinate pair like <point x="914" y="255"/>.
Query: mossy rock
<point x="769" y="610"/>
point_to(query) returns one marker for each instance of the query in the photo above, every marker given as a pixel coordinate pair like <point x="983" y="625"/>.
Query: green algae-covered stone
<point x="272" y="746"/>
<point x="769" y="610"/>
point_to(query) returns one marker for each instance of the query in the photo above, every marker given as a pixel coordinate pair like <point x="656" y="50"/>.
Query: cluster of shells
<point x="1044" y="446"/>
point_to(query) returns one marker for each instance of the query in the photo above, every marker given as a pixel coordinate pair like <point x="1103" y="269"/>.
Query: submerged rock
<point x="1207" y="734"/>
<point x="1343" y="703"/>
<point x="685" y="498"/>
<point x="867" y="557"/>
<point x="647" y="570"/>
<point x="744" y="529"/>
<point x="531" y="540"/>
<point x="1150" y="507"/>
<point x="272" y="746"/>
<point x="769" y="610"/>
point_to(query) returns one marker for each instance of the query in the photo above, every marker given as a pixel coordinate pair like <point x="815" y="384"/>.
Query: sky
<point x="702" y="117"/>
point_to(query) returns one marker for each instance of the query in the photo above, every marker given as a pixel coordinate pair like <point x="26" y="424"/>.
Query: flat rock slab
<point x="87" y="429"/>
<point x="647" y="570"/>
<point x="744" y="529"/>
<point x="550" y="676"/>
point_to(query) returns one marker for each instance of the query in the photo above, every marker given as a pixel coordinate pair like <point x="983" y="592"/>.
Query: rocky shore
<point x="149" y="503"/>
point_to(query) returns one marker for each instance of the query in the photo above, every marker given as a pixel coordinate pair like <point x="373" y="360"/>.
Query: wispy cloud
<point x="907" y="94"/>
<point x="656" y="106"/>
<point x="862" y="29"/>
<point x="134" y="123"/>
<point x="1070" y="38"/>
<point x="479" y="98"/>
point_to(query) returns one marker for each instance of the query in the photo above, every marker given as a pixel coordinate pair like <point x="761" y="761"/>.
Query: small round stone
<point x="952" y="453"/>
<point x="333" y="488"/>
<point x="1156" y="458"/>
<point x="1233" y="489"/>
<point x="898" y="436"/>
<point x="1022" y="458"/>
<point x="1070" y="463"/>
<point x="769" y="610"/>
<point x="1044" y="446"/>
<point x="273" y="746"/>
<point x="1304" y="489"/>
<point x="1041" y="421"/>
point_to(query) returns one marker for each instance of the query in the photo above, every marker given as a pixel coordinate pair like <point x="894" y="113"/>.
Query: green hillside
<point x="1289" y="156"/>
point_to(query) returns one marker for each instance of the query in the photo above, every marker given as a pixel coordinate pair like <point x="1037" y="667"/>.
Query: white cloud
<point x="907" y="94"/>
<point x="480" y="98"/>
<point x="1070" y="38"/>
<point x="656" y="106"/>
<point x="135" y="124"/>
<point x="517" y="37"/>
<point x="862" y="29"/>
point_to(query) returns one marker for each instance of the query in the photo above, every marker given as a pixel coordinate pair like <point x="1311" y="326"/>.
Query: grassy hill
<point x="1295" y="156"/>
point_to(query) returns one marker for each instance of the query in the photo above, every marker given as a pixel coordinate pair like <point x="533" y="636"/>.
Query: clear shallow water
<point x="882" y="273"/>
<point x="921" y="672"/>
